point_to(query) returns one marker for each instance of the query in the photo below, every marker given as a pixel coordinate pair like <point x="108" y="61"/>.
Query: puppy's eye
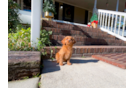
<point x="66" y="39"/>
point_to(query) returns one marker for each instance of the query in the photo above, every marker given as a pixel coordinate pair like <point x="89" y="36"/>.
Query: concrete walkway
<point x="83" y="73"/>
<point x="27" y="83"/>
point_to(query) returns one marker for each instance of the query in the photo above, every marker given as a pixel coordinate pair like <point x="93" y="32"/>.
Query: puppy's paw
<point x="61" y="64"/>
<point x="57" y="62"/>
<point x="69" y="63"/>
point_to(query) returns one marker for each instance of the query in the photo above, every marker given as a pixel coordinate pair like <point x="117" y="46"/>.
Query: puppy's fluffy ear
<point x="63" y="41"/>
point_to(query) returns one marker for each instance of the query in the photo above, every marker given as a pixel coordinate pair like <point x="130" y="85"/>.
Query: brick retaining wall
<point x="23" y="64"/>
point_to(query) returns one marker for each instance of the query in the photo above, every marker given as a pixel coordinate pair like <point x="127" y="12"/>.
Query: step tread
<point x="92" y="33"/>
<point x="81" y="38"/>
<point x="89" y="30"/>
<point x="89" y="46"/>
<point x="79" y="51"/>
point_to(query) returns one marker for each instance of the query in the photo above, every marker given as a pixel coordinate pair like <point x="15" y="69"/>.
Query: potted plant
<point x="49" y="8"/>
<point x="94" y="20"/>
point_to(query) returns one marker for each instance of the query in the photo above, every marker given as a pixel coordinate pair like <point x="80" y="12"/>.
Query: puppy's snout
<point x="69" y="40"/>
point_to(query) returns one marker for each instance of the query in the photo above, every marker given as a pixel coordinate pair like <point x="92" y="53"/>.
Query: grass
<point x="83" y="56"/>
<point x="37" y="75"/>
<point x="39" y="84"/>
<point x="25" y="77"/>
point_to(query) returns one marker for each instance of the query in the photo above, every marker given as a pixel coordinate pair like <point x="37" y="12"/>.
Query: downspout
<point x="117" y="5"/>
<point x="95" y="4"/>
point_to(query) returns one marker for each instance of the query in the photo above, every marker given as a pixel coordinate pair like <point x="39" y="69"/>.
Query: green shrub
<point x="13" y="16"/>
<point x="20" y="41"/>
<point x="44" y="40"/>
<point x="49" y="6"/>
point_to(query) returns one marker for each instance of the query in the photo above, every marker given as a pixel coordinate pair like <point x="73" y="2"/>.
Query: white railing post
<point x="106" y="21"/>
<point x="35" y="22"/>
<point x="109" y="21"/>
<point x="112" y="21"/>
<point x="124" y="21"/>
<point x="103" y="20"/>
<point x="114" y="30"/>
<point x="119" y="25"/>
<point x="115" y="23"/>
<point x="98" y="16"/>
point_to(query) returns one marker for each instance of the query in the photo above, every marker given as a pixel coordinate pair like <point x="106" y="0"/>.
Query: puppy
<point x="65" y="52"/>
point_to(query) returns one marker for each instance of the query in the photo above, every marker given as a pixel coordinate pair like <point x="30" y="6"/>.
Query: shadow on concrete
<point x="50" y="66"/>
<point x="82" y="61"/>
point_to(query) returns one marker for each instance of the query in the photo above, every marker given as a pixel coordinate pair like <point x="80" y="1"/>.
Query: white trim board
<point x="60" y="21"/>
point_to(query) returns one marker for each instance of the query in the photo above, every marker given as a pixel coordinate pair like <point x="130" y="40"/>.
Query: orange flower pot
<point x="94" y="25"/>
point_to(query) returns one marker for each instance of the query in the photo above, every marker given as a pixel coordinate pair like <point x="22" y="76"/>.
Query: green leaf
<point x="45" y="53"/>
<point x="51" y="51"/>
<point x="50" y="32"/>
<point x="52" y="58"/>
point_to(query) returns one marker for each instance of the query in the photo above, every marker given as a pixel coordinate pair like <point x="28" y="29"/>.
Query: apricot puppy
<point x="65" y="52"/>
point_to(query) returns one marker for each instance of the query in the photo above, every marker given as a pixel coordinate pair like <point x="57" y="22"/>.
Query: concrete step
<point x="27" y="83"/>
<point x="56" y="40"/>
<point x="87" y="51"/>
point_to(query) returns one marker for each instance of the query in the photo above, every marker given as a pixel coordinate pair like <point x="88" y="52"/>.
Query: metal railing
<point x="112" y="22"/>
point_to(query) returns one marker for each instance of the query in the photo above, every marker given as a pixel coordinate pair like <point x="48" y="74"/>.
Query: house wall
<point x="79" y="15"/>
<point x="89" y="15"/>
<point x="60" y="11"/>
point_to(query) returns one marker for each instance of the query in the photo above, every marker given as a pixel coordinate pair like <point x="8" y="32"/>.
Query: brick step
<point x="56" y="40"/>
<point x="84" y="30"/>
<point x="117" y="59"/>
<point x="93" y="34"/>
<point x="87" y="51"/>
<point x="53" y="24"/>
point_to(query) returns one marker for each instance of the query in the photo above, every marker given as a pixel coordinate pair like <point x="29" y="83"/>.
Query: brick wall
<point x="86" y="51"/>
<point x="83" y="35"/>
<point x="23" y="64"/>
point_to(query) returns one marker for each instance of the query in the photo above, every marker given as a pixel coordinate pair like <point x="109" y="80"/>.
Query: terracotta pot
<point x="94" y="25"/>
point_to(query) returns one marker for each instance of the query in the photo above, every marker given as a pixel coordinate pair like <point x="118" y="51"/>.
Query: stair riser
<point x="78" y="33"/>
<point x="54" y="43"/>
<point x="83" y="37"/>
<point x="82" y="31"/>
<point x="79" y="52"/>
<point x="64" y="26"/>
<point x="56" y="40"/>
